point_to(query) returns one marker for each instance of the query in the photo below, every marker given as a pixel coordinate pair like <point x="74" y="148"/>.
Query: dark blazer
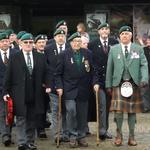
<point x="3" y="68"/>
<point x="51" y="54"/>
<point x="100" y="59"/>
<point x="15" y="82"/>
<point x="75" y="83"/>
<point x="147" y="54"/>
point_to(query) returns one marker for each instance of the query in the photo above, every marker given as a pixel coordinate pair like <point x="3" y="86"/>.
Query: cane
<point x="97" y="116"/>
<point x="59" y="120"/>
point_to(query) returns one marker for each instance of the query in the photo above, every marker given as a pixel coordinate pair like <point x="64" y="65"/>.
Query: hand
<point x="5" y="97"/>
<point x="109" y="91"/>
<point x="143" y="84"/>
<point x="59" y="92"/>
<point x="96" y="87"/>
<point x="48" y="90"/>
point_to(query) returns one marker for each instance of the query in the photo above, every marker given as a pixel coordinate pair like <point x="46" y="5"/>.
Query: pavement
<point x="142" y="134"/>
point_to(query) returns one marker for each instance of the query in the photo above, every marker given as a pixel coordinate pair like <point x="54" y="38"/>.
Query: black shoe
<point x="108" y="136"/>
<point x="31" y="147"/>
<point x="47" y="124"/>
<point x="22" y="147"/>
<point x="102" y="137"/>
<point x="6" y="141"/>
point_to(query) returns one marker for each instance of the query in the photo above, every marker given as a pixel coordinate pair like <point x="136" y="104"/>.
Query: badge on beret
<point x="64" y="23"/>
<point x="87" y="66"/>
<point x="126" y="89"/>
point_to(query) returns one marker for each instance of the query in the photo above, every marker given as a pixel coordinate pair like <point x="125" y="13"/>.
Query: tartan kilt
<point x="133" y="104"/>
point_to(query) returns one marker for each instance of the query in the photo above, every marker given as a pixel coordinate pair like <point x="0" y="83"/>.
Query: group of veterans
<point x="34" y="70"/>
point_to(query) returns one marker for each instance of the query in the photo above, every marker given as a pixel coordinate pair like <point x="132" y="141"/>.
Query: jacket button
<point x="103" y="66"/>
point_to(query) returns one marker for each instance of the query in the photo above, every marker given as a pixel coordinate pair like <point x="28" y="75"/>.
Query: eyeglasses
<point x="28" y="42"/>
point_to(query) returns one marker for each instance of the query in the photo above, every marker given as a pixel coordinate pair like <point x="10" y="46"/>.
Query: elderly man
<point x="100" y="49"/>
<point x="25" y="76"/>
<point x="127" y="72"/>
<point x="52" y="51"/>
<point x="73" y="80"/>
<point x="5" y="53"/>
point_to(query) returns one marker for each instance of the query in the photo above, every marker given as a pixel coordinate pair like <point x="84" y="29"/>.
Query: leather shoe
<point x="132" y="141"/>
<point x="118" y="141"/>
<point x="6" y="140"/>
<point x="73" y="143"/>
<point x="22" y="147"/>
<point x="31" y="147"/>
<point x="82" y="142"/>
<point x="108" y="136"/>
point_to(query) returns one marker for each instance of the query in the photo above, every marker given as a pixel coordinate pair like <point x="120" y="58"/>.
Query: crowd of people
<point x="41" y="74"/>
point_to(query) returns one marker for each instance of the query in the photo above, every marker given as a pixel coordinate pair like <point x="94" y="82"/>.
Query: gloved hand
<point x="109" y="91"/>
<point x="143" y="84"/>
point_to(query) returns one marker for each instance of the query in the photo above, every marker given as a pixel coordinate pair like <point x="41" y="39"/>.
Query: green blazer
<point x="136" y="64"/>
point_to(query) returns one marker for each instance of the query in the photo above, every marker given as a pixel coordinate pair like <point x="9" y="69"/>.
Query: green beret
<point x="3" y="35"/>
<point x="125" y="28"/>
<point x="9" y="31"/>
<point x="62" y="22"/>
<point x="74" y="35"/>
<point x="27" y="36"/>
<point x="59" y="31"/>
<point x="40" y="37"/>
<point x="102" y="25"/>
<point x="20" y="34"/>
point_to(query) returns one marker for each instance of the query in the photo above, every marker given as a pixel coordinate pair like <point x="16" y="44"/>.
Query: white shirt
<point x="2" y="54"/>
<point x="31" y="56"/>
<point x="128" y="47"/>
<point x="58" y="47"/>
<point x="102" y="41"/>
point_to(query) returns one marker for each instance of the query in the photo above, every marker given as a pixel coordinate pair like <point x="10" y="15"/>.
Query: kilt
<point x="133" y="104"/>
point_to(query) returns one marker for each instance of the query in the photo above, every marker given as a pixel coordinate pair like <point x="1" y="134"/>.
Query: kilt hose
<point x="133" y="104"/>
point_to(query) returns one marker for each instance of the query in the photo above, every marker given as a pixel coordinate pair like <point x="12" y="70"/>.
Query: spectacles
<point x="28" y="42"/>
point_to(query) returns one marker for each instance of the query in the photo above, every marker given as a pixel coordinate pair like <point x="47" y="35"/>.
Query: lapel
<point x="22" y="61"/>
<point x="120" y="55"/>
<point x="34" y="60"/>
<point x="130" y="54"/>
<point x="55" y="50"/>
<point x="1" y="58"/>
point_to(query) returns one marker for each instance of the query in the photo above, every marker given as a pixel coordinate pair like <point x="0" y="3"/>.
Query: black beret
<point x="62" y="22"/>
<point x="59" y="31"/>
<point x="74" y="35"/>
<point x="102" y="25"/>
<point x="40" y="37"/>
<point x="125" y="28"/>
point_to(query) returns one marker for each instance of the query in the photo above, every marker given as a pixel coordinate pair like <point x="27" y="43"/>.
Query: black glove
<point x="143" y="84"/>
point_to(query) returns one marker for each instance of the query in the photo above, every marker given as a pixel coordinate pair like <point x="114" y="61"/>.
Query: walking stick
<point x="97" y="116"/>
<point x="59" y="120"/>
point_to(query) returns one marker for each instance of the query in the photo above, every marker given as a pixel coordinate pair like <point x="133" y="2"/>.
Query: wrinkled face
<point x="27" y="45"/>
<point x="60" y="39"/>
<point x="5" y="44"/>
<point x="104" y="32"/>
<point x="84" y="43"/>
<point x="12" y="37"/>
<point x="65" y="28"/>
<point x="76" y="43"/>
<point x="40" y="44"/>
<point x="125" y="37"/>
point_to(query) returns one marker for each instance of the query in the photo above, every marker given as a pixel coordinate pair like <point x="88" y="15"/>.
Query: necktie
<point x="29" y="65"/>
<point x="5" y="58"/>
<point x="105" y="47"/>
<point x="60" y="48"/>
<point x="126" y="51"/>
